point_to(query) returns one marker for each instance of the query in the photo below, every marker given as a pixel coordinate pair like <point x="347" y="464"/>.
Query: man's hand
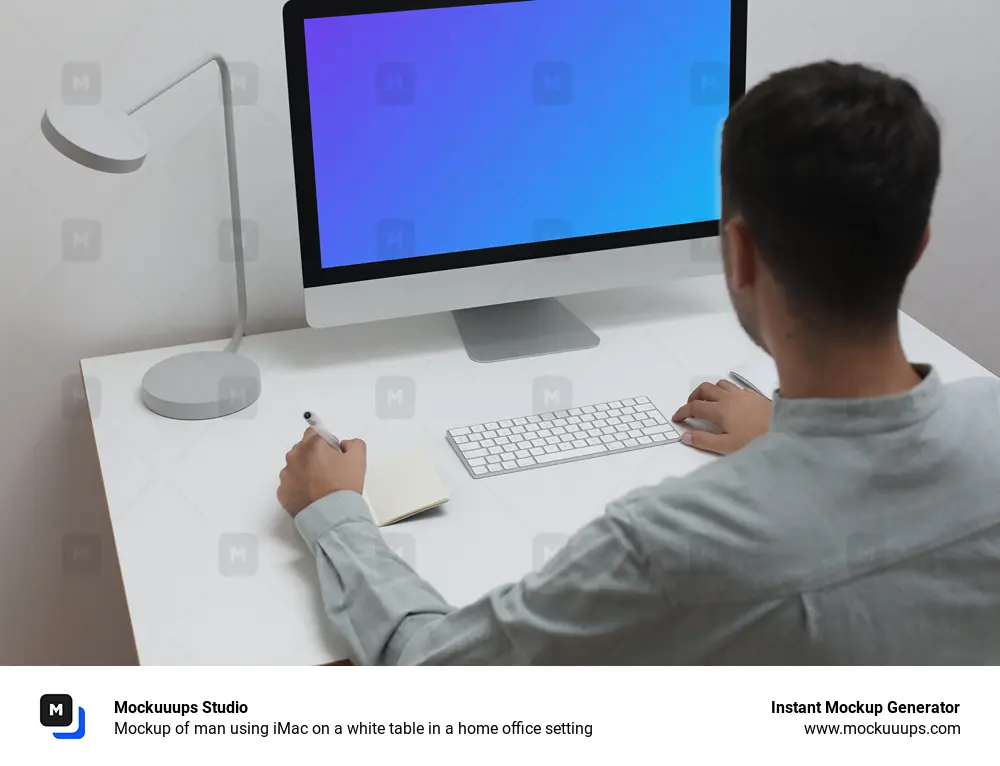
<point x="313" y="469"/>
<point x="741" y="416"/>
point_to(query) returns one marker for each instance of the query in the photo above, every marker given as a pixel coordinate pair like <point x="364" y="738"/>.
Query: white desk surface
<point x="175" y="488"/>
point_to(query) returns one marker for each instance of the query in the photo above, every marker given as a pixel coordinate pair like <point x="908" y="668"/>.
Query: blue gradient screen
<point x="455" y="129"/>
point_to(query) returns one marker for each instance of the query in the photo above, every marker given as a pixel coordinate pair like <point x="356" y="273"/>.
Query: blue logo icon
<point x="56" y="711"/>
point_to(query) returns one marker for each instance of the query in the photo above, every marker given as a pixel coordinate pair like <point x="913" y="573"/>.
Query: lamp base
<point x="201" y="385"/>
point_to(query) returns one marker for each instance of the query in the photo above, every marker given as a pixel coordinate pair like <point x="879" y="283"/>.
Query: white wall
<point x="156" y="278"/>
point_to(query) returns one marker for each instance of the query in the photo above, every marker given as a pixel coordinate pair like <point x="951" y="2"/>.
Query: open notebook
<point x="402" y="487"/>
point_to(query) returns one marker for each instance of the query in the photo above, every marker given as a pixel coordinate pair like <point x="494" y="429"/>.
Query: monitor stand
<point x="519" y="330"/>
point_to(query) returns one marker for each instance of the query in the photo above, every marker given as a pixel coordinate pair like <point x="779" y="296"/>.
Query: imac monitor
<point x="454" y="155"/>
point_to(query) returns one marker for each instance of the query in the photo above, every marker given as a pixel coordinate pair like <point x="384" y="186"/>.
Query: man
<point x="858" y="522"/>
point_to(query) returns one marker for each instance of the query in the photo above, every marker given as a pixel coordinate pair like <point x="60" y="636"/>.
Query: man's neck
<point x="817" y="368"/>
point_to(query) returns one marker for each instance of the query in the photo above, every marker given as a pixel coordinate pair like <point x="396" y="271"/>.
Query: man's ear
<point x="923" y="246"/>
<point x="742" y="253"/>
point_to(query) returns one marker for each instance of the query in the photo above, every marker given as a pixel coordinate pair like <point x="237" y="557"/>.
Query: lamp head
<point x="98" y="137"/>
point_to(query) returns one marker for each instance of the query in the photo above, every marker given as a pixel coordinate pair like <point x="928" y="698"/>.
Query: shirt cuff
<point x="329" y="512"/>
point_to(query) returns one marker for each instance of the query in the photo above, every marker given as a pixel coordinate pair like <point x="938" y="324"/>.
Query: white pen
<point x="317" y="425"/>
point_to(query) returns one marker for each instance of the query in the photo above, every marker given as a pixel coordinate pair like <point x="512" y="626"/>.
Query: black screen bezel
<point x="295" y="13"/>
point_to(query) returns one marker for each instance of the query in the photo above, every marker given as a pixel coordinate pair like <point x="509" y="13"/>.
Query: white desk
<point x="174" y="489"/>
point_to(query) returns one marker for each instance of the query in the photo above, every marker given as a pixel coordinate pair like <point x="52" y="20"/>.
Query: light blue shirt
<point x="854" y="532"/>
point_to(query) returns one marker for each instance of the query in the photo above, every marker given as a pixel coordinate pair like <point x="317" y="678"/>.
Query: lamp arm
<point x="234" y="187"/>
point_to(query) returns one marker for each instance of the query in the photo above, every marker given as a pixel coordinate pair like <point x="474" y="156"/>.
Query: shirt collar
<point x="855" y="417"/>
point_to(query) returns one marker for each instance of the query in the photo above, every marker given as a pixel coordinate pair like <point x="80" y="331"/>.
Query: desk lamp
<point x="194" y="386"/>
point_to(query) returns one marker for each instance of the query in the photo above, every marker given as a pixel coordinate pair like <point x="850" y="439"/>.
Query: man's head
<point x="828" y="178"/>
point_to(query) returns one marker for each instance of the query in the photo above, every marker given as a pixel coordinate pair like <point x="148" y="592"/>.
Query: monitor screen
<point x="463" y="129"/>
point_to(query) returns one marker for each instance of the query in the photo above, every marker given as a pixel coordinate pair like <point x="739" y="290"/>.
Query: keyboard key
<point x="523" y="453"/>
<point x="615" y="405"/>
<point x="579" y="443"/>
<point x="489" y="434"/>
<point x="602" y="408"/>
<point x="503" y="440"/>
<point x="531" y="427"/>
<point x="496" y="450"/>
<point x="572" y="429"/>
<point x="616" y="445"/>
<point x="648" y="423"/>
<point x="544" y="433"/>
<point x="566" y="438"/>
<point x="552" y="440"/>
<point x="628" y="410"/>
<point x="548" y="416"/>
<point x="526" y="461"/>
<point x="504" y="432"/>
<point x="520" y="421"/>
<point x="506" y="423"/>
<point x="509" y="465"/>
<point x="479" y="471"/>
<point x="584" y="452"/>
<point x="494" y="460"/>
<point x="558" y="423"/>
<point x="628" y="402"/>
<point x="587" y="418"/>
<point x="558" y="431"/>
<point x="495" y="469"/>
<point x="631" y="443"/>
<point x="594" y="432"/>
<point x="627" y="418"/>
<point x="510" y="448"/>
<point x="565" y="447"/>
<point x="475" y="437"/>
<point x="475" y="453"/>
<point x="658" y="430"/>
<point x="460" y="431"/>
<point x="536" y="451"/>
<point x="534" y="418"/>
<point x="477" y="429"/>
<point x="608" y="439"/>
<point x="644" y="440"/>
<point x="634" y="434"/>
<point x="614" y="421"/>
<point x="477" y="461"/>
<point x="550" y="449"/>
<point x="644" y="408"/>
<point x="487" y="443"/>
<point x="593" y="441"/>
<point x="622" y="428"/>
<point x="657" y="438"/>
<point x="538" y="442"/>
<point x="658" y="417"/>
<point x="641" y="400"/>
<point x="468" y="446"/>
<point x="492" y="426"/>
<point x="608" y="430"/>
<point x="588" y="409"/>
<point x="562" y="414"/>
<point x="517" y="429"/>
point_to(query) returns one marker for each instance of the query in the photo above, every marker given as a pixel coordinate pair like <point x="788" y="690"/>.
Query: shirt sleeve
<point x="583" y="606"/>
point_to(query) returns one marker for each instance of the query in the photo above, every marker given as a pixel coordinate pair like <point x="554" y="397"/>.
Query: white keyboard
<point x="521" y="444"/>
